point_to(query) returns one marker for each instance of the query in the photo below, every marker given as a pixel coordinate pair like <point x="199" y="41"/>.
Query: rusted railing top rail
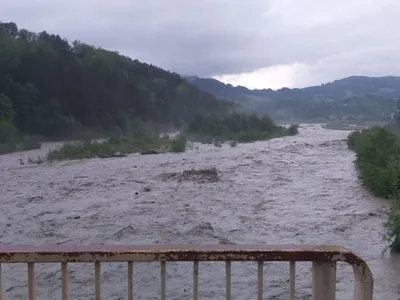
<point x="323" y="257"/>
<point x="123" y="253"/>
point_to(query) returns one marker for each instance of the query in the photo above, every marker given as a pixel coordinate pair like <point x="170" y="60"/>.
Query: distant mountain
<point x="219" y="88"/>
<point x="357" y="97"/>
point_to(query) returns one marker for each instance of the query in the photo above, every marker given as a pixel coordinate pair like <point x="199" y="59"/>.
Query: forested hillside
<point x="356" y="98"/>
<point x="52" y="88"/>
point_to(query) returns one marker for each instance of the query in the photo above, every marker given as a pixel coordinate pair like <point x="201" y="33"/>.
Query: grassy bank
<point x="378" y="162"/>
<point x="233" y="127"/>
<point x="118" y="147"/>
<point x="242" y="128"/>
<point x="12" y="140"/>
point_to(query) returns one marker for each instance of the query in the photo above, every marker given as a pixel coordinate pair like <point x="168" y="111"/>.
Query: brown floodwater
<point x="302" y="189"/>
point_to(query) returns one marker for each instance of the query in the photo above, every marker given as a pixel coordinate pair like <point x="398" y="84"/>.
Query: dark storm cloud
<point x="212" y="37"/>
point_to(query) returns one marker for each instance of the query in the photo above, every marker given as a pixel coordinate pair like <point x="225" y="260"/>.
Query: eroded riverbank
<point x="300" y="189"/>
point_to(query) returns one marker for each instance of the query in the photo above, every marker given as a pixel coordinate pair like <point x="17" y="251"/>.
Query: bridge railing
<point x="323" y="258"/>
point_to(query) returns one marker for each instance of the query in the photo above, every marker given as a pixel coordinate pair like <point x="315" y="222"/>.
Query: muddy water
<point x="301" y="189"/>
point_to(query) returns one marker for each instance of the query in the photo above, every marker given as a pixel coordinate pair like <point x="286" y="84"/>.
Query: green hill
<point x="52" y="88"/>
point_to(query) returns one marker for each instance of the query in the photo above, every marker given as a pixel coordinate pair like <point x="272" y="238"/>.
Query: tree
<point x="6" y="109"/>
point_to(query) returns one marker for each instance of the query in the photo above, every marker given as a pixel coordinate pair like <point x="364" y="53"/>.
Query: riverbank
<point x="378" y="162"/>
<point x="295" y="189"/>
<point x="235" y="128"/>
<point x="344" y="126"/>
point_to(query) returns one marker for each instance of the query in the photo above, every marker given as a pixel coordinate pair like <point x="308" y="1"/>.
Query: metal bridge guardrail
<point x="324" y="259"/>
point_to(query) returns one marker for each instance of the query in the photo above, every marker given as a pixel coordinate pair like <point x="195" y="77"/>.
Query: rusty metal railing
<point x="324" y="259"/>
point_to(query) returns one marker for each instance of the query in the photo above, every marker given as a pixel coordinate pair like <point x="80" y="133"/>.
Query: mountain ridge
<point x="195" y="79"/>
<point x="366" y="93"/>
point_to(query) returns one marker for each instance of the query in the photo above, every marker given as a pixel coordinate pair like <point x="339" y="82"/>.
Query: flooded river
<point x="300" y="189"/>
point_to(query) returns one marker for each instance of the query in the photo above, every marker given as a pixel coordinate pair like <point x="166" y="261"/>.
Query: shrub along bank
<point x="378" y="162"/>
<point x="233" y="127"/>
<point x="239" y="127"/>
<point x="118" y="147"/>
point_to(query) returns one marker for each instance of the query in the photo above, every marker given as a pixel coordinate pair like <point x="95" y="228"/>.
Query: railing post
<point x="323" y="280"/>
<point x="363" y="283"/>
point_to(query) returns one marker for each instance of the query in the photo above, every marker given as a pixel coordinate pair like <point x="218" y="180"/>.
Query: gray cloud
<point x="213" y="37"/>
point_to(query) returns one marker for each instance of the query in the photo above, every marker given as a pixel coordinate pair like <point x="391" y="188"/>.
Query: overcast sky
<point x="255" y="43"/>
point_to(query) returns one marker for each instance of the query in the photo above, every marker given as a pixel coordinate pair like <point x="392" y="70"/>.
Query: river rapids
<point x="301" y="189"/>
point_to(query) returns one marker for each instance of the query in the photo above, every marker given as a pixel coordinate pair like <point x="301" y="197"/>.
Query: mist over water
<point x="302" y="189"/>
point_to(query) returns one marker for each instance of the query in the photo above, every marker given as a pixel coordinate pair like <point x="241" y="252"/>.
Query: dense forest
<point x="54" y="89"/>
<point x="356" y="99"/>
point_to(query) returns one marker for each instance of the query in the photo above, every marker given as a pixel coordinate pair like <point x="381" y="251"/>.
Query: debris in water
<point x="225" y="240"/>
<point x="39" y="160"/>
<point x="149" y="152"/>
<point x="202" y="229"/>
<point x="35" y="199"/>
<point x="124" y="232"/>
<point x="340" y="228"/>
<point x="200" y="175"/>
